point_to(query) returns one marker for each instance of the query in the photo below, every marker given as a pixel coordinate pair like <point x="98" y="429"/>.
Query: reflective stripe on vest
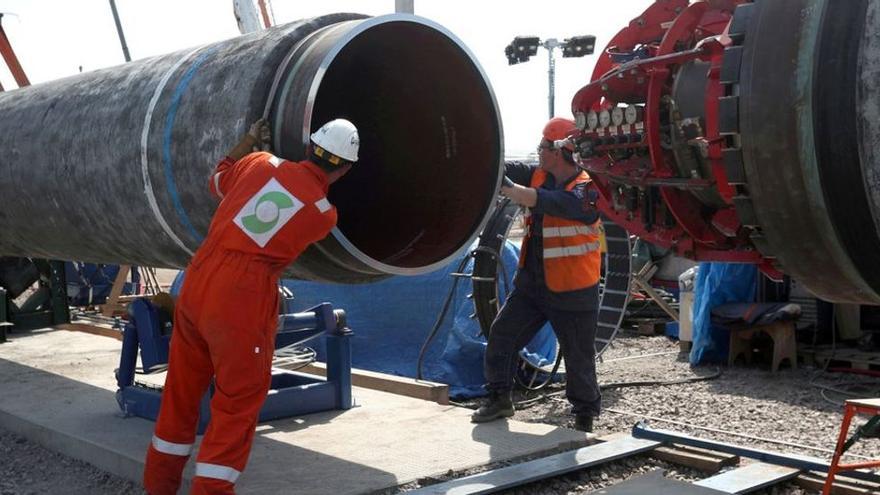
<point x="217" y="472"/>
<point x="570" y="231"/>
<point x="171" y="448"/>
<point x="560" y="252"/>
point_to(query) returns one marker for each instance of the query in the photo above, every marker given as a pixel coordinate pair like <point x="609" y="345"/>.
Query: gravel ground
<point x="27" y="468"/>
<point x="748" y="400"/>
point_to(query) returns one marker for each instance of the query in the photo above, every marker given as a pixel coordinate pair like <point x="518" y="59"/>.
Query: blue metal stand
<point x="291" y="393"/>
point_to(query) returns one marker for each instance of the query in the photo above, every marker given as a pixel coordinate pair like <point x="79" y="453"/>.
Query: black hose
<point x="494" y="253"/>
<point x="545" y="382"/>
<point x="660" y="383"/>
<point x="440" y="317"/>
<point x="647" y="383"/>
<point x="488" y="263"/>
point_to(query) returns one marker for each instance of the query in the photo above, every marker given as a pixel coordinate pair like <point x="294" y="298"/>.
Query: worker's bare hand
<point x="261" y="134"/>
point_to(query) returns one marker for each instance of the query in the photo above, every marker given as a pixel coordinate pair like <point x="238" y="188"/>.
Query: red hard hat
<point x="558" y="128"/>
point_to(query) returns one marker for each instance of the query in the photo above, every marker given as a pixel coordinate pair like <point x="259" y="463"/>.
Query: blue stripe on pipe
<point x="170" y="184"/>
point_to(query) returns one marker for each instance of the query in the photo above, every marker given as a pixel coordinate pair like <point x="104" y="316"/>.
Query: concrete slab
<point x="57" y="388"/>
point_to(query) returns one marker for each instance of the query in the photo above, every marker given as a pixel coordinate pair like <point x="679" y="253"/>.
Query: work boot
<point x="583" y="422"/>
<point x="499" y="406"/>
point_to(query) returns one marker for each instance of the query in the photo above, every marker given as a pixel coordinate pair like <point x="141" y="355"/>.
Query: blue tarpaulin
<point x="391" y="320"/>
<point x="717" y="284"/>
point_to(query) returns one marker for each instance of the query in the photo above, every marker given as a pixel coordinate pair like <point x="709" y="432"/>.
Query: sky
<point x="58" y="38"/>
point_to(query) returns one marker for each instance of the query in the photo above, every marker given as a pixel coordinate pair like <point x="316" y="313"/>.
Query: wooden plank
<point x="112" y="305"/>
<point x="419" y="389"/>
<point x="842" y="485"/>
<point x="538" y="469"/>
<point x="646" y="288"/>
<point x="101" y="330"/>
<point x="703" y="460"/>
<point x="650" y="328"/>
<point x="749" y="478"/>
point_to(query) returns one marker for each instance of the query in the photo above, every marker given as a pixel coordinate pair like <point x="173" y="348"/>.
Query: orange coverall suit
<point x="226" y="317"/>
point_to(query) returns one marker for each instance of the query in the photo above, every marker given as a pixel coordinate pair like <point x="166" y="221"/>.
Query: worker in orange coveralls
<point x="226" y="317"/>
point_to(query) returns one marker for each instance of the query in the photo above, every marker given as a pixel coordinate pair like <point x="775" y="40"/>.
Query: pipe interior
<point x="430" y="147"/>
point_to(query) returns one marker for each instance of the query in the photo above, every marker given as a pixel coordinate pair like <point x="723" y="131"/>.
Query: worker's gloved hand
<point x="261" y="135"/>
<point x="258" y="138"/>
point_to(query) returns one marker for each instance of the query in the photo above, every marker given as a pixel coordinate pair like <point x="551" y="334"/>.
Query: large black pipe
<point x="112" y="165"/>
<point x="808" y="108"/>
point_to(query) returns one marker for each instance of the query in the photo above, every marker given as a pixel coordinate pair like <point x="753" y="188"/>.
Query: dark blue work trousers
<point x="518" y="321"/>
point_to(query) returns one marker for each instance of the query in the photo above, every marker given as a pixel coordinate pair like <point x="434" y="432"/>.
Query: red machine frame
<point x="637" y="68"/>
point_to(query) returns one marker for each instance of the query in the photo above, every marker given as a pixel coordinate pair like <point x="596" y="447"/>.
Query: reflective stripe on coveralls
<point x="171" y="448"/>
<point x="217" y="472"/>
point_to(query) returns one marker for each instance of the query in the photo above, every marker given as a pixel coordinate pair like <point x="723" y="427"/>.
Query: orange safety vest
<point x="572" y="256"/>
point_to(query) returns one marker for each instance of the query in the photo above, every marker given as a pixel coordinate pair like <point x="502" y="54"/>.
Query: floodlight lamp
<point x="510" y="52"/>
<point x="579" y="46"/>
<point x="527" y="45"/>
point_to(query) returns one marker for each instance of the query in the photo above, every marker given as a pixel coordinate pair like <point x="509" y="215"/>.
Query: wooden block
<point x="409" y="387"/>
<point x="708" y="461"/>
<point x="651" y="327"/>
<point x="700" y="459"/>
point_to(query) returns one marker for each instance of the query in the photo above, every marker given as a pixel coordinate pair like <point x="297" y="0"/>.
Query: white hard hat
<point x="339" y="137"/>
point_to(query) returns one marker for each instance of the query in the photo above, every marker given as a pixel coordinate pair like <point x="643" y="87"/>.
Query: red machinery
<point x="735" y="131"/>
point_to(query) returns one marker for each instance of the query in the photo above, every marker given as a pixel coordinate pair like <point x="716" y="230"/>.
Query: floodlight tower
<point x="522" y="48"/>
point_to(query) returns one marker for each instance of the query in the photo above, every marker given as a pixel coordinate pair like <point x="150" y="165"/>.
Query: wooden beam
<point x="706" y="461"/>
<point x="112" y="305"/>
<point x="103" y="331"/>
<point x="646" y="287"/>
<point x="419" y="389"/>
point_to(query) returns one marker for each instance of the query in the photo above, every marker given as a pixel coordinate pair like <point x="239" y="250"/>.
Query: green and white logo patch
<point x="267" y="211"/>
